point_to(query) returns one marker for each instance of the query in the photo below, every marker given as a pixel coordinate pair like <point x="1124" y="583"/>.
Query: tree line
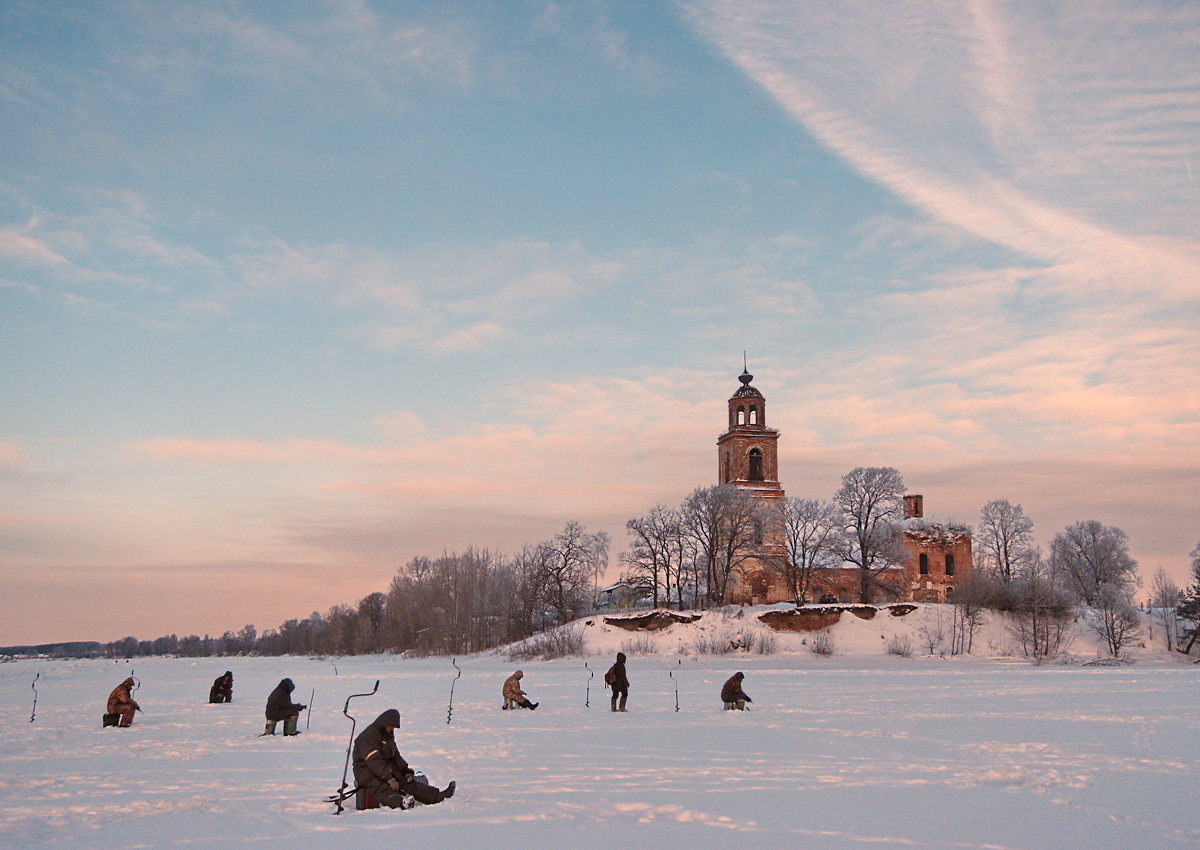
<point x="686" y="557"/>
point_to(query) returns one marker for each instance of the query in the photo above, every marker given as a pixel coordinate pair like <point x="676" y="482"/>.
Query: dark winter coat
<point x="620" y="683"/>
<point x="376" y="759"/>
<point x="222" y="689"/>
<point x="120" y="701"/>
<point x="279" y="703"/>
<point x="732" y="691"/>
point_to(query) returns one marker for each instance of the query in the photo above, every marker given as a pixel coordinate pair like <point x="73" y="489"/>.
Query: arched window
<point x="949" y="565"/>
<point x="924" y="564"/>
<point x="756" y="470"/>
<point x="741" y="416"/>
<point x="754" y="414"/>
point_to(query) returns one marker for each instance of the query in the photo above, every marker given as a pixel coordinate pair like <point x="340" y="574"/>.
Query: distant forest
<point x="477" y="600"/>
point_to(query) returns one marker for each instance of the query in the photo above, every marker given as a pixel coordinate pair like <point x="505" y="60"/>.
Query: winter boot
<point x="289" y="726"/>
<point x="270" y="730"/>
<point x="533" y="705"/>
<point x="449" y="792"/>
<point x="614" y="702"/>
<point x="622" y="708"/>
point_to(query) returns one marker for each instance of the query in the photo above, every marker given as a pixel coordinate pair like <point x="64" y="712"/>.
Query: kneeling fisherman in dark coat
<point x="281" y="707"/>
<point x="383" y="772"/>
<point x="222" y="689"/>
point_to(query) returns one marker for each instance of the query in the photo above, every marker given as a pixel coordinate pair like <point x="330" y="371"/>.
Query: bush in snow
<point x="900" y="644"/>
<point x="821" y="644"/>
<point x="639" y="645"/>
<point x="766" y="644"/>
<point x="556" y="643"/>
<point x="723" y="642"/>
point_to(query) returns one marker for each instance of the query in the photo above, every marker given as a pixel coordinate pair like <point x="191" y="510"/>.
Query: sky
<point x="292" y="293"/>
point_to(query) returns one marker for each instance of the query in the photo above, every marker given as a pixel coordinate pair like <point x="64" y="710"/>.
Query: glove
<point x="410" y="777"/>
<point x="393" y="784"/>
<point x="749" y="700"/>
<point x="303" y="707"/>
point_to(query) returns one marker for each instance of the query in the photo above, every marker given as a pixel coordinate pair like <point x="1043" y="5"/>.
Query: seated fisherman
<point x="281" y="707"/>
<point x="732" y="694"/>
<point x="382" y="771"/>
<point x="122" y="705"/>
<point x="514" y="697"/>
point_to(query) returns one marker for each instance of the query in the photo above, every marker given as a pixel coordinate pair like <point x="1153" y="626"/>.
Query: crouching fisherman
<point x="382" y="772"/>
<point x="222" y="689"/>
<point x="281" y="707"/>
<point x="732" y="694"/>
<point x="121" y="705"/>
<point x="514" y="697"/>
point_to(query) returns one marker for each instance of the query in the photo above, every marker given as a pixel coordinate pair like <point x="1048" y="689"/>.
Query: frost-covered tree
<point x="1094" y="561"/>
<point x="1005" y="539"/>
<point x="871" y="504"/>
<point x="1164" y="596"/>
<point x="1043" y="610"/>
<point x="811" y="532"/>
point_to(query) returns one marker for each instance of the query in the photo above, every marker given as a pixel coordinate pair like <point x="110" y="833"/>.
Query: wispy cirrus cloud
<point x="1027" y="129"/>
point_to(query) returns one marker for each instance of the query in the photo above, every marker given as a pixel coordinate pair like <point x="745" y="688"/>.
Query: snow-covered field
<point x="861" y="749"/>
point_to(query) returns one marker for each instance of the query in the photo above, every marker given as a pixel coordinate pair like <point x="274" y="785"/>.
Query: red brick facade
<point x="936" y="556"/>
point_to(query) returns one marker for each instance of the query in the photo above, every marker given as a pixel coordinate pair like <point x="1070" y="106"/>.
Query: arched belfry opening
<point x="756" y="465"/>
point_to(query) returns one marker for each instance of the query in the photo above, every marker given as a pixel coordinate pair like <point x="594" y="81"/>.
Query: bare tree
<point x="724" y="526"/>
<point x="1043" y="611"/>
<point x="652" y="545"/>
<point x="1116" y="619"/>
<point x="871" y="502"/>
<point x="1005" y="538"/>
<point x="568" y="563"/>
<point x="810" y="533"/>
<point x="1164" y="596"/>
<point x="971" y="598"/>
<point x="1094" y="561"/>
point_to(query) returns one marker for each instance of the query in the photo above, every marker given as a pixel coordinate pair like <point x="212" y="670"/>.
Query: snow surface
<point x="862" y="749"/>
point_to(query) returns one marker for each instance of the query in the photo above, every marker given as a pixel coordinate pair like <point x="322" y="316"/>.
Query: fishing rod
<point x="308" y="720"/>
<point x="450" y="710"/>
<point x="342" y="794"/>
<point x="33" y="685"/>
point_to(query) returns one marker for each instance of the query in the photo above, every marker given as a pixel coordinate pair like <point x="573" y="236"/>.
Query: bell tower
<point x="748" y="458"/>
<point x="748" y="452"/>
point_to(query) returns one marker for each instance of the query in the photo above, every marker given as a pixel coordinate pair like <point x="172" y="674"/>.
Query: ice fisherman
<point x="222" y="688"/>
<point x="514" y="697"/>
<point x="281" y="707"/>
<point x="122" y="705"/>
<point x="732" y="694"/>
<point x="382" y="771"/>
<point x="616" y="679"/>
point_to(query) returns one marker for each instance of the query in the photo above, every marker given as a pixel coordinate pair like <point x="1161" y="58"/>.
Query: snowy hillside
<point x="925" y="629"/>
<point x="858" y="748"/>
